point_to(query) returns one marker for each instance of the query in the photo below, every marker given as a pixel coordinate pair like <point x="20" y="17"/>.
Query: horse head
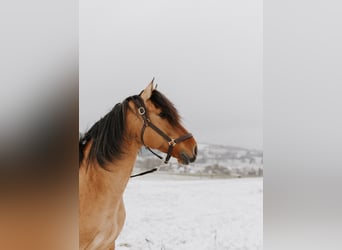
<point x="156" y="124"/>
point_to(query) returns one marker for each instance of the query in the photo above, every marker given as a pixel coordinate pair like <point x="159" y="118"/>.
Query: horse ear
<point x="147" y="92"/>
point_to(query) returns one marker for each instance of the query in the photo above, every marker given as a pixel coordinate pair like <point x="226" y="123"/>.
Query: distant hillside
<point x="212" y="160"/>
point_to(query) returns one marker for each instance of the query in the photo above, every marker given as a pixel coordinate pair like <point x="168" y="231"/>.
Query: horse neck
<point x="111" y="181"/>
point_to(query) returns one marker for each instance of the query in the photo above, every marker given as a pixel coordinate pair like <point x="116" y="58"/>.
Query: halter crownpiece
<point x="139" y="103"/>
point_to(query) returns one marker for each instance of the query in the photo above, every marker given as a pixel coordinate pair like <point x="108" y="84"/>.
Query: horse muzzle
<point x="186" y="159"/>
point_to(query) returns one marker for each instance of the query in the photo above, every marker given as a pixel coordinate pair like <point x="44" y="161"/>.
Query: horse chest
<point x="103" y="230"/>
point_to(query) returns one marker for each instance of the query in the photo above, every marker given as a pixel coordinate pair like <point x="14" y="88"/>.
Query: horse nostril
<point x="195" y="150"/>
<point x="194" y="154"/>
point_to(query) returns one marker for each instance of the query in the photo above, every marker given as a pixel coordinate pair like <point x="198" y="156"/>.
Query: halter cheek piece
<point x="139" y="103"/>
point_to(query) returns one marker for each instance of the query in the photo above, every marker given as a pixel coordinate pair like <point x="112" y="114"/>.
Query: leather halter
<point x="139" y="103"/>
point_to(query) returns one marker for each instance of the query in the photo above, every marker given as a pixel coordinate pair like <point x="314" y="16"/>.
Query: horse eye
<point x="162" y="115"/>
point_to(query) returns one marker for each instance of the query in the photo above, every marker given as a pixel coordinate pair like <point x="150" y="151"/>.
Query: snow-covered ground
<point x="178" y="214"/>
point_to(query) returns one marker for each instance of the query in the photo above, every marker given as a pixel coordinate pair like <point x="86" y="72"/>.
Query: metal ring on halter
<point x="141" y="110"/>
<point x="172" y="143"/>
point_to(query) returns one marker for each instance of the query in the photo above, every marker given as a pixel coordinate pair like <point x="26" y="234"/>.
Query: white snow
<point x="177" y="214"/>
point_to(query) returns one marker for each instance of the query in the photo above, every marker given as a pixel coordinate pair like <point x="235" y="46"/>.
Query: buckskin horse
<point x="108" y="151"/>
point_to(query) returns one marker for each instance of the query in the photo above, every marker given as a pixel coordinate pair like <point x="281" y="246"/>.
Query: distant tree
<point x="252" y="160"/>
<point x="260" y="172"/>
<point x="252" y="172"/>
<point x="216" y="169"/>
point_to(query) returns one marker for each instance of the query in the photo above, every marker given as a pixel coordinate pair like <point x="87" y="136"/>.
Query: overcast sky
<point x="206" y="56"/>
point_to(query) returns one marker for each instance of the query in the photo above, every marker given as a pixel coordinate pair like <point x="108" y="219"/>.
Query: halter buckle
<point x="172" y="143"/>
<point x="141" y="110"/>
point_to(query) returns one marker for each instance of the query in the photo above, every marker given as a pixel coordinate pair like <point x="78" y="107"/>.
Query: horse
<point x="108" y="151"/>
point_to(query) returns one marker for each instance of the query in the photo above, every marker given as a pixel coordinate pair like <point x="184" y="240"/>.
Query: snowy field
<point x="178" y="214"/>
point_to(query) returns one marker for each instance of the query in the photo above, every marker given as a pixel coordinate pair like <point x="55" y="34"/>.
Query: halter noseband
<point x="139" y="103"/>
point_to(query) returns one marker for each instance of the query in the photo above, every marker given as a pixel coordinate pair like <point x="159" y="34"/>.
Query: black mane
<point x="108" y="134"/>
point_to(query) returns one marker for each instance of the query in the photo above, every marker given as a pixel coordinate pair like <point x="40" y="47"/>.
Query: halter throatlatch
<point x="139" y="103"/>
